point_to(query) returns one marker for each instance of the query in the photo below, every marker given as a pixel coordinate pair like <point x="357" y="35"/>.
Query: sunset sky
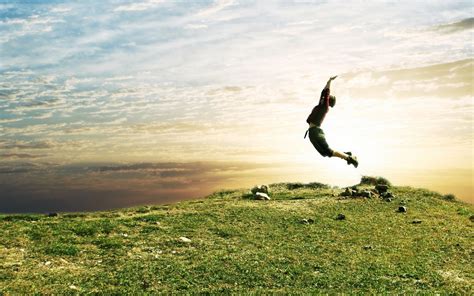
<point x="107" y="104"/>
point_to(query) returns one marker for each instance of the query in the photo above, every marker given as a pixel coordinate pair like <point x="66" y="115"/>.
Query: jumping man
<point x="316" y="134"/>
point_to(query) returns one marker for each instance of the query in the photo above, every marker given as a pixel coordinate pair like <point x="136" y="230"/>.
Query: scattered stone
<point x="368" y="247"/>
<point x="402" y="209"/>
<point x="73" y="287"/>
<point x="184" y="239"/>
<point x="416" y="221"/>
<point x="307" y="221"/>
<point x="47" y="263"/>
<point x="52" y="214"/>
<point x="340" y="217"/>
<point x="387" y="196"/>
<point x="381" y="188"/>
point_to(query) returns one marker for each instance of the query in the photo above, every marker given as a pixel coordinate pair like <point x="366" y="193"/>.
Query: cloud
<point x="10" y="120"/>
<point x="140" y="6"/>
<point x="215" y="8"/>
<point x="14" y="168"/>
<point x="465" y="24"/>
<point x="196" y="26"/>
<point x="12" y="144"/>
<point x="33" y="25"/>
<point x="19" y="155"/>
<point x="60" y="9"/>
<point x="447" y="80"/>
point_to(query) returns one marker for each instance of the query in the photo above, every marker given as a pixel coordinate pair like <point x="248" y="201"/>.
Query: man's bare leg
<point x="347" y="157"/>
<point x="340" y="155"/>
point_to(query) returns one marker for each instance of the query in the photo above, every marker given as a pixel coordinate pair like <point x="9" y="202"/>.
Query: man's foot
<point x="352" y="160"/>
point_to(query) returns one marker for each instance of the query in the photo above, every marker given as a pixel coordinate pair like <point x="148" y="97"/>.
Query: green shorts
<point x="317" y="138"/>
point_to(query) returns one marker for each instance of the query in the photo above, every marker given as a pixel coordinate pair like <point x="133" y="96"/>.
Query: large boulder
<point x="261" y="196"/>
<point x="260" y="188"/>
<point x="260" y="192"/>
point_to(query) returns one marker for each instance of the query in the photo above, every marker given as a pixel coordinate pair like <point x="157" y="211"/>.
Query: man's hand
<point x="328" y="84"/>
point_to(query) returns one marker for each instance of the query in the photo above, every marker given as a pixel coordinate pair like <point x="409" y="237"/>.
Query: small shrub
<point x="92" y="228"/>
<point x="222" y="193"/>
<point x="108" y="243"/>
<point x="223" y="233"/>
<point x="74" y="215"/>
<point x="106" y="226"/>
<point x="36" y="233"/>
<point x="247" y="196"/>
<point x="312" y="185"/>
<point x="61" y="249"/>
<point x="84" y="229"/>
<point x="316" y="185"/>
<point x="20" y="217"/>
<point x="293" y="186"/>
<point x="143" y="210"/>
<point x="149" y="229"/>
<point x="152" y="218"/>
<point x="369" y="180"/>
<point x="464" y="211"/>
<point x="449" y="197"/>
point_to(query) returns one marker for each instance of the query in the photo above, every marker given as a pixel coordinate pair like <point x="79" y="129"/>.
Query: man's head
<point x="332" y="101"/>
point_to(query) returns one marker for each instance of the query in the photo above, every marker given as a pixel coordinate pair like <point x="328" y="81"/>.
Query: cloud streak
<point x="465" y="24"/>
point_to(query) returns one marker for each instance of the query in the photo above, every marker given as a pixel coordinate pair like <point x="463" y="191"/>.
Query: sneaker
<point x="352" y="160"/>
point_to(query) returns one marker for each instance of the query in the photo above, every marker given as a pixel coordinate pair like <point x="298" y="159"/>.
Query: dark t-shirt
<point x="319" y="111"/>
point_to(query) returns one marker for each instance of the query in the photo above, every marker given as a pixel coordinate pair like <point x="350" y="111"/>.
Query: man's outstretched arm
<point x="328" y="84"/>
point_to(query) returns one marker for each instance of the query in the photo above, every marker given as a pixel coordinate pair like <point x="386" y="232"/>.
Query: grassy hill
<point x="229" y="243"/>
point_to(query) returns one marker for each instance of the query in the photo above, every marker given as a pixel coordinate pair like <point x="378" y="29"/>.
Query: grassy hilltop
<point x="227" y="242"/>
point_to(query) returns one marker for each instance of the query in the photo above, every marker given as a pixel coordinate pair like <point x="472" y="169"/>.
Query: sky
<point x="109" y="104"/>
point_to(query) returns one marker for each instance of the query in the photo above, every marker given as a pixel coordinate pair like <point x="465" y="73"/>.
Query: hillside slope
<point x="227" y="243"/>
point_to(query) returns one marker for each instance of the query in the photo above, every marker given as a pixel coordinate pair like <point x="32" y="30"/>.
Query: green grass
<point x="239" y="245"/>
